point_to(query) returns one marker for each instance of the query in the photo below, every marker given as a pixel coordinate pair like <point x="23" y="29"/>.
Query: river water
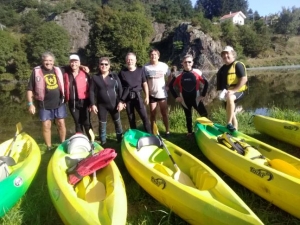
<point x="267" y="88"/>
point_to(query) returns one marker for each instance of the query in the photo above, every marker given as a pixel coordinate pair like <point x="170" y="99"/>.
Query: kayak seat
<point x="203" y="180"/>
<point x="206" y="181"/>
<point x="158" y="156"/>
<point x="20" y="150"/>
<point x="109" y="184"/>
<point x="253" y="154"/>
<point x="163" y="169"/>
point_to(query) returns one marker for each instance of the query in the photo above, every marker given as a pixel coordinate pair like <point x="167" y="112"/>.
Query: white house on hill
<point x="236" y="18"/>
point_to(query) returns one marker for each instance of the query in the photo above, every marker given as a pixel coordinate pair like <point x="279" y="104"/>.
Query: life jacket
<point x="90" y="164"/>
<point x="232" y="143"/>
<point x="243" y="148"/>
<point x="40" y="85"/>
<point x="232" y="78"/>
<point x="82" y="85"/>
<point x="188" y="81"/>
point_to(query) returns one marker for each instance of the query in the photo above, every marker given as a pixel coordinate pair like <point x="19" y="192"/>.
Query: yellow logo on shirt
<point x="51" y="81"/>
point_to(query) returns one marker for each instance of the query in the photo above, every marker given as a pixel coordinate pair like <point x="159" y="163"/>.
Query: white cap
<point x="74" y="57"/>
<point x="228" y="49"/>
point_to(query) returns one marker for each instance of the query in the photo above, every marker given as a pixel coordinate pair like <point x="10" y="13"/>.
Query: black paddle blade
<point x="146" y="141"/>
<point x="8" y="160"/>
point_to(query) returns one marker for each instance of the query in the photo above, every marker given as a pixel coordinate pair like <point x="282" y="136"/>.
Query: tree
<point x="30" y="21"/>
<point x="48" y="37"/>
<point x="288" y="22"/>
<point x="115" y="33"/>
<point x="210" y="8"/>
<point x="12" y="57"/>
<point x="217" y="8"/>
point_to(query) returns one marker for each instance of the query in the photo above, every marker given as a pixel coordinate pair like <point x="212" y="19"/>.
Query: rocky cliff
<point x="173" y="43"/>
<point x="78" y="27"/>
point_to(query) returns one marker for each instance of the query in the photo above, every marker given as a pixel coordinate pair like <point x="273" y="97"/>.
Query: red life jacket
<point x="90" y="164"/>
<point x="82" y="86"/>
<point x="40" y="85"/>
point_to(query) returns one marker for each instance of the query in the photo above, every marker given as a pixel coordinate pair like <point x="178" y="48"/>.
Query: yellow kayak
<point x="282" y="130"/>
<point x="26" y="157"/>
<point x="197" y="194"/>
<point x="263" y="169"/>
<point x="74" y="204"/>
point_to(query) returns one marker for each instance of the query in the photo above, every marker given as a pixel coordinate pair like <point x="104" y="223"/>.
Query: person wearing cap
<point x="191" y="94"/>
<point x="46" y="86"/>
<point x="77" y="82"/>
<point x="105" y="93"/>
<point x="232" y="77"/>
<point x="155" y="72"/>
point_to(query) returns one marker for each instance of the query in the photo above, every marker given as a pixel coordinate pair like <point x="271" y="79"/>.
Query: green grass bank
<point x="36" y="207"/>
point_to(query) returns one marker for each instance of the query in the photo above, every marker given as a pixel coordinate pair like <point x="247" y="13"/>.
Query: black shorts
<point x="153" y="100"/>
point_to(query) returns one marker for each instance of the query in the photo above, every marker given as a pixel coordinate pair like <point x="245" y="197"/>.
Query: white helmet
<point x="78" y="143"/>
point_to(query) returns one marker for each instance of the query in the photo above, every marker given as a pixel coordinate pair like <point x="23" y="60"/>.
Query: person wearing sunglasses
<point x="190" y="93"/>
<point x="134" y="82"/>
<point x="155" y="72"/>
<point x="105" y="92"/>
<point x="231" y="77"/>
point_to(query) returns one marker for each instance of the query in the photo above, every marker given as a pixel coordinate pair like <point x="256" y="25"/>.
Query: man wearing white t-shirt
<point x="155" y="72"/>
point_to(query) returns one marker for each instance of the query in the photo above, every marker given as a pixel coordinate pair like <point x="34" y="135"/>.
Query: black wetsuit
<point x="132" y="83"/>
<point x="107" y="92"/>
<point x="188" y="83"/>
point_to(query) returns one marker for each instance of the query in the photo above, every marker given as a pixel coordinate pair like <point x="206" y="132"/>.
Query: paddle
<point x="277" y="164"/>
<point x="179" y="175"/>
<point x="95" y="191"/>
<point x="7" y="158"/>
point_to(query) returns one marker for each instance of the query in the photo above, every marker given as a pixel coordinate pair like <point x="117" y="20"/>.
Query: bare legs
<point x="164" y="112"/>
<point x="230" y="111"/>
<point x="61" y="128"/>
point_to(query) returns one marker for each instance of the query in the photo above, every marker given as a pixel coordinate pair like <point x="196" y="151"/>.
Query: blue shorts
<point x="51" y="114"/>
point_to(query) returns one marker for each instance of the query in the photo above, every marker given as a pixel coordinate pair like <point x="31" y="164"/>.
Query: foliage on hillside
<point x="119" y="26"/>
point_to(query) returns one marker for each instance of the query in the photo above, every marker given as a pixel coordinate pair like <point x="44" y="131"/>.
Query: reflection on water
<point x="266" y="89"/>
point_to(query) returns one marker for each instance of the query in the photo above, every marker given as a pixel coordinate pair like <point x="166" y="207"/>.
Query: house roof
<point x="231" y="15"/>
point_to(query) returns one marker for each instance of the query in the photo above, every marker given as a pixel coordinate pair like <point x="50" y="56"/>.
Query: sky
<point x="266" y="7"/>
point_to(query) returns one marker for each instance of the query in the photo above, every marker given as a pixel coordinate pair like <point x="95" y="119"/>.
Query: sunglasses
<point x="103" y="64"/>
<point x="187" y="62"/>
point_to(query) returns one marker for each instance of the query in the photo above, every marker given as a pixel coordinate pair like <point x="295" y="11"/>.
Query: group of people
<point x="107" y="92"/>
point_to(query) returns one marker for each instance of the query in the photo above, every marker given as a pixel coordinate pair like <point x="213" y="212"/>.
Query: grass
<point x="36" y="207"/>
<point x="284" y="52"/>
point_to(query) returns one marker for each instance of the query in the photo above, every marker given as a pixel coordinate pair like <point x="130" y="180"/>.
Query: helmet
<point x="78" y="143"/>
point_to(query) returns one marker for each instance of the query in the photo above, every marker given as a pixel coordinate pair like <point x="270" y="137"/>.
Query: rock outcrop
<point x="78" y="27"/>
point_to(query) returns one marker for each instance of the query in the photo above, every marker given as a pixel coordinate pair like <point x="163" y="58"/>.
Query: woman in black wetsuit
<point x="106" y="89"/>
<point x="190" y="95"/>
